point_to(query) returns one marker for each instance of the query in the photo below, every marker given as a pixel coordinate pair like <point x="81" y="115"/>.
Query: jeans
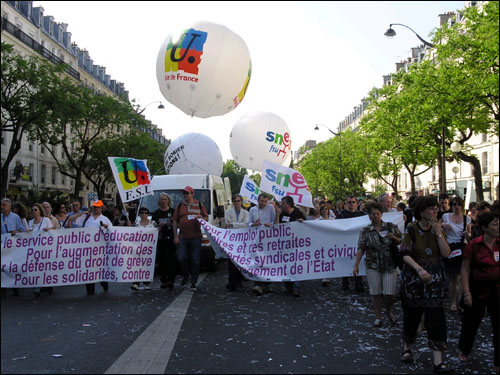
<point x="189" y="257"/>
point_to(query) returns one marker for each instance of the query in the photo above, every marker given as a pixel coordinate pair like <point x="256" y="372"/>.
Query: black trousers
<point x="167" y="259"/>
<point x="434" y="322"/>
<point x="472" y="317"/>
<point x="234" y="275"/>
<point x="91" y="287"/>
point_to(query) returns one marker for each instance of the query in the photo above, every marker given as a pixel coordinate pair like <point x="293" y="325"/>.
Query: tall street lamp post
<point x="340" y="155"/>
<point x="161" y="106"/>
<point x="390" y="33"/>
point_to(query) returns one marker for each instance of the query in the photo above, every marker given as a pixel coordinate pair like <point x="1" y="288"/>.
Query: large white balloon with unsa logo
<point x="193" y="153"/>
<point x="259" y="136"/>
<point x="204" y="70"/>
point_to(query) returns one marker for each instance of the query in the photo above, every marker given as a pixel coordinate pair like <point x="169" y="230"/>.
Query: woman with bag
<point x="422" y="248"/>
<point x="375" y="241"/>
<point x="480" y="280"/>
<point x="457" y="227"/>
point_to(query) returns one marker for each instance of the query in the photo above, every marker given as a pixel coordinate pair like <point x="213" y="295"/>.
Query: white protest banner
<point x="249" y="189"/>
<point x="313" y="249"/>
<point x="78" y="256"/>
<point x="132" y="178"/>
<point x="280" y="181"/>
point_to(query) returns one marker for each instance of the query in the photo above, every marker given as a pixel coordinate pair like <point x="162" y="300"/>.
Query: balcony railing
<point x="30" y="42"/>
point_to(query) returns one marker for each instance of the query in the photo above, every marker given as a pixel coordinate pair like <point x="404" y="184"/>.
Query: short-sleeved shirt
<point x="294" y="216"/>
<point x="11" y="222"/>
<point x="266" y="215"/>
<point x="164" y="217"/>
<point x="185" y="216"/>
<point x="377" y="247"/>
<point x="455" y="234"/>
<point x="91" y="222"/>
<point x="346" y="214"/>
<point x="44" y="223"/>
<point x="484" y="262"/>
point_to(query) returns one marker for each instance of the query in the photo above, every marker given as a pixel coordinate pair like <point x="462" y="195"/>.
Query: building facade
<point x="33" y="33"/>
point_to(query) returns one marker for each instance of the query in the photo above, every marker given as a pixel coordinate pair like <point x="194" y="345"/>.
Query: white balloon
<point x="259" y="136"/>
<point x="205" y="70"/>
<point x="193" y="153"/>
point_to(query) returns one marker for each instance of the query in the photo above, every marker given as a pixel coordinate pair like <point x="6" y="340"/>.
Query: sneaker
<point x="135" y="287"/>
<point x="193" y="288"/>
<point x="257" y="290"/>
<point x="325" y="282"/>
<point x="296" y="293"/>
<point x="146" y="287"/>
<point x="105" y="287"/>
<point x="184" y="281"/>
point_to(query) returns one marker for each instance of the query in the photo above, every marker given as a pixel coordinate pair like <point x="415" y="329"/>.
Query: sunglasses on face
<point x="236" y="201"/>
<point x="186" y="193"/>
<point x="351" y="201"/>
<point x="143" y="212"/>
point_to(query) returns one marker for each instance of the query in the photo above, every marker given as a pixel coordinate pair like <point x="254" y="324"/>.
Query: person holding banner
<point x="39" y="223"/>
<point x="422" y="282"/>
<point x="144" y="222"/>
<point x="349" y="212"/>
<point x="94" y="220"/>
<point x="262" y="214"/>
<point x="290" y="213"/>
<point x="11" y="222"/>
<point x="235" y="217"/>
<point x="375" y="242"/>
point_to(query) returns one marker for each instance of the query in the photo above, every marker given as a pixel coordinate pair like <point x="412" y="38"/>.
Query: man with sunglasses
<point x="235" y="217"/>
<point x="165" y="249"/>
<point x="188" y="240"/>
<point x="349" y="212"/>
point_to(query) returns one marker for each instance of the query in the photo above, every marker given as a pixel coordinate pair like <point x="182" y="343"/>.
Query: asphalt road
<point x="326" y="330"/>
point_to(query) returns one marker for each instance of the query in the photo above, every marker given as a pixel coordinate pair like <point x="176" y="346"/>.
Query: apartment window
<point x="42" y="174"/>
<point x="3" y="138"/>
<point x="484" y="163"/>
<point x="30" y="147"/>
<point x="484" y="137"/>
<point x="43" y="149"/>
<point x="53" y="175"/>
<point x="63" y="179"/>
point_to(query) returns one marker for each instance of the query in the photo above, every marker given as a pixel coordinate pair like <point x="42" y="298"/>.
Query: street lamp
<point x="390" y="33"/>
<point x="455" y="170"/>
<point x="340" y="156"/>
<point x="161" y="106"/>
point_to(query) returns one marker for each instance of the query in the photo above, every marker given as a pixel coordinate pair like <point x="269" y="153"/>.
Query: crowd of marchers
<point x="446" y="253"/>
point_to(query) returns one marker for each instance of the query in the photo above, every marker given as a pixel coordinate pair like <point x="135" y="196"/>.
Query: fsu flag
<point x="131" y="177"/>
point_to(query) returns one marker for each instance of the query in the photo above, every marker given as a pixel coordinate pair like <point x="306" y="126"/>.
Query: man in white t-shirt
<point x="94" y="220"/>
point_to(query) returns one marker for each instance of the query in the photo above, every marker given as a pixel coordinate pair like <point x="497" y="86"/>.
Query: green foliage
<point x="30" y="89"/>
<point x="235" y="173"/>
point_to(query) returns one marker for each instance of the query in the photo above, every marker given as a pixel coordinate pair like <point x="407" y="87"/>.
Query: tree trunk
<point x="477" y="173"/>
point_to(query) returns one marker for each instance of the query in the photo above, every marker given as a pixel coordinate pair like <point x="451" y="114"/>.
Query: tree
<point x="236" y="174"/>
<point x="30" y="88"/>
<point x="327" y="166"/>
<point x="81" y="119"/>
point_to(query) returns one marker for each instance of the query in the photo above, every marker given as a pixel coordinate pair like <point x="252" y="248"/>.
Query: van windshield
<point x="151" y="201"/>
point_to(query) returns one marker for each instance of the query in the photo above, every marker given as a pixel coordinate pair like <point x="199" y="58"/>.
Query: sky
<point x="312" y="62"/>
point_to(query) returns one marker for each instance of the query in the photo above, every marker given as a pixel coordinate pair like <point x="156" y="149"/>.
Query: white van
<point x="212" y="191"/>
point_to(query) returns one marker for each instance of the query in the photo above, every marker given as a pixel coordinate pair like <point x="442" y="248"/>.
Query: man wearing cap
<point x="188" y="240"/>
<point x="93" y="220"/>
